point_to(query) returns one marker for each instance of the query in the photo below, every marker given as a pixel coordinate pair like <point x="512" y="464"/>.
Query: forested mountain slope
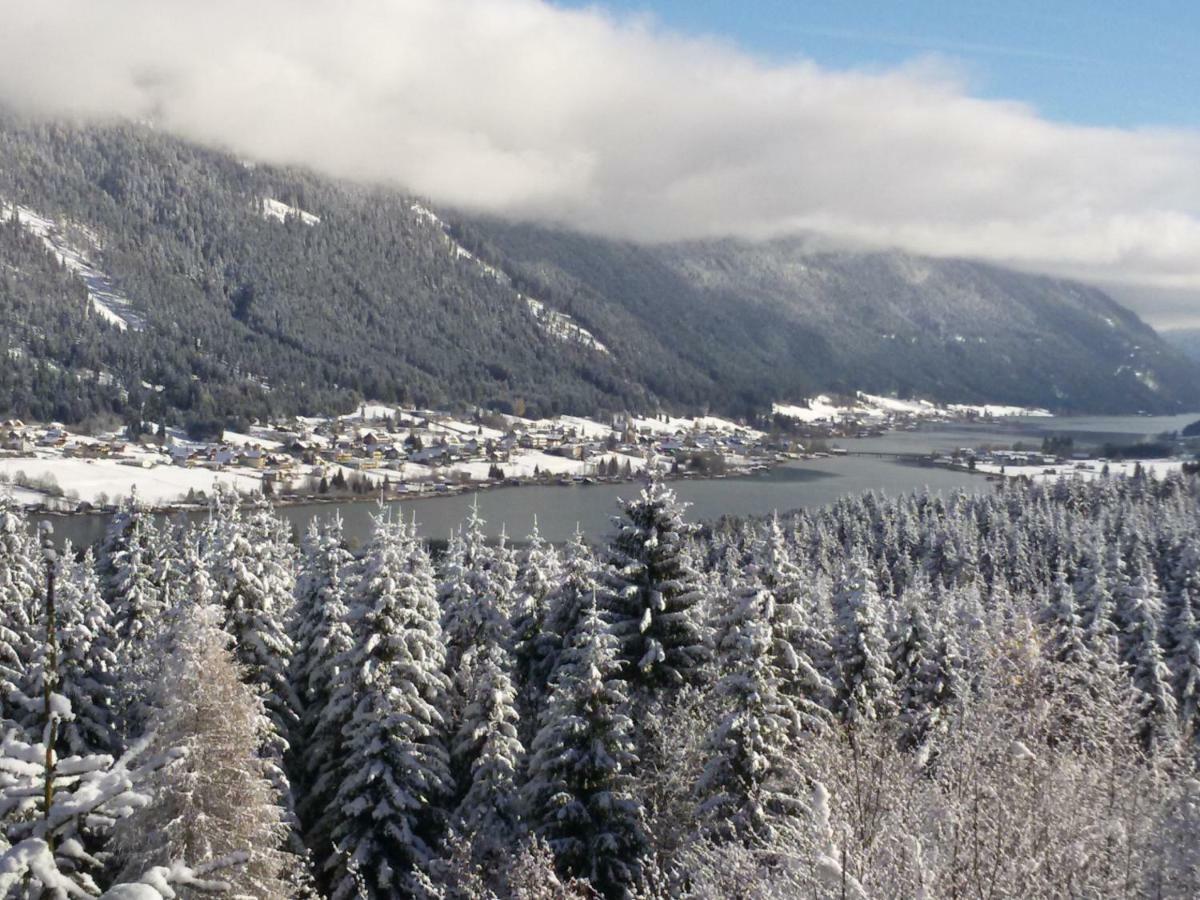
<point x="149" y="277"/>
<point x="784" y="314"/>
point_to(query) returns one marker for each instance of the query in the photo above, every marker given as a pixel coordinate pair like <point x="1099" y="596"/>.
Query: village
<point x="388" y="452"/>
<point x="376" y="451"/>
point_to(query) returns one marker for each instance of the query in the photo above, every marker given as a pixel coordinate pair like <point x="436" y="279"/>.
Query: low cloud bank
<point x="524" y="109"/>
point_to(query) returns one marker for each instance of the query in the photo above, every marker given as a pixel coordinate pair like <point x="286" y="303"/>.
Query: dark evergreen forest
<point x="248" y="317"/>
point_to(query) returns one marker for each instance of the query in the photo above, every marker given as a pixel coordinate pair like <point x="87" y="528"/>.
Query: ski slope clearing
<point x="281" y="212"/>
<point x="107" y="301"/>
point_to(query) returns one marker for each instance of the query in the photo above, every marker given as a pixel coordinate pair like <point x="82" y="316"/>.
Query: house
<point x="16" y="441"/>
<point x="54" y="436"/>
<point x="180" y="454"/>
<point x="436" y="454"/>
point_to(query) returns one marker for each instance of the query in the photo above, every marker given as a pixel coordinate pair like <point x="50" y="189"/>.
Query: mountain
<point x="784" y="314"/>
<point x="146" y="277"/>
<point x="1186" y="339"/>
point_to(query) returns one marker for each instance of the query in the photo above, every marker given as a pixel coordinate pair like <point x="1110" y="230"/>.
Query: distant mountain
<point x="147" y="277"/>
<point x="1186" y="339"/>
<point x="784" y="315"/>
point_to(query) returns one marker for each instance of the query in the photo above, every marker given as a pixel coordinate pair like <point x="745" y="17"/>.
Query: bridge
<point x="904" y="455"/>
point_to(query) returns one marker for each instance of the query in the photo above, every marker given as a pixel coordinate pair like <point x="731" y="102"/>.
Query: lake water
<point x="799" y="485"/>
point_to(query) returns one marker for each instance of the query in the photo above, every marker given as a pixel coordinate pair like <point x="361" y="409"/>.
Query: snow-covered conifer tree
<point x="752" y="784"/>
<point x="475" y="593"/>
<point x="255" y="581"/>
<point x="487" y="756"/>
<point x="534" y="645"/>
<point x="395" y="776"/>
<point x="87" y="664"/>
<point x="575" y="592"/>
<point x="864" y="675"/>
<point x="917" y="676"/>
<point x="322" y="638"/>
<point x="1154" y="707"/>
<point x="1184" y="642"/>
<point x="797" y="627"/>
<point x="579" y="790"/>
<point x="653" y="593"/>
<point x="20" y="578"/>
<point x="128" y="564"/>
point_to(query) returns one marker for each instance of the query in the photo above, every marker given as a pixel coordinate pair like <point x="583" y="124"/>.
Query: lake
<point x="798" y="485"/>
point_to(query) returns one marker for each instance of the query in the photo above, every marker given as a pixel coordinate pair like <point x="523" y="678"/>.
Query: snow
<point x="562" y="326"/>
<point x="89" y="479"/>
<point x="281" y="212"/>
<point x="464" y="429"/>
<point x="523" y="463"/>
<point x="873" y="406"/>
<point x="682" y="425"/>
<point x="891" y="404"/>
<point x="1157" y="468"/>
<point x="585" y="428"/>
<point x="819" y="408"/>
<point x="108" y="303"/>
<point x="715" y="423"/>
<point x="367" y="412"/>
<point x="23" y="496"/>
<point x="1000" y="412"/>
<point x="236" y="439"/>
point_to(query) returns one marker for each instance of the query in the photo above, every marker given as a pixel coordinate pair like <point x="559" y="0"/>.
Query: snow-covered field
<point x="1157" y="468"/>
<point x="98" y="480"/>
<point x="585" y="428"/>
<point x="872" y="406"/>
<point x="526" y="462"/>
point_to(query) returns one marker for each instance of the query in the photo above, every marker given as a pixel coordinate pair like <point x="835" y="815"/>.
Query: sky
<point x="1095" y="62"/>
<point x="1055" y="137"/>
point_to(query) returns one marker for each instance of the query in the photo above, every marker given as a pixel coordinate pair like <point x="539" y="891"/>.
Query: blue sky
<point x="1133" y="63"/>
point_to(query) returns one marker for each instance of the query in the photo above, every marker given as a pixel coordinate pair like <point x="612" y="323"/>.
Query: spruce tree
<point x="322" y="637"/>
<point x="88" y="665"/>
<point x="488" y="755"/>
<point x="579" y="792"/>
<point x="652" y="595"/>
<point x="574" y="593"/>
<point x="255" y="583"/>
<point x="864" y="675"/>
<point x="475" y="593"/>
<point x="797" y="627"/>
<point x="20" y="580"/>
<point x="752" y="785"/>
<point x="534" y="644"/>
<point x="395" y="777"/>
<point x="1154" y="708"/>
<point x="1185" y="665"/>
<point x="128" y="565"/>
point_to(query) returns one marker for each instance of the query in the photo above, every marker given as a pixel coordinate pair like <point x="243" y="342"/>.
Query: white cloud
<point x="521" y="108"/>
